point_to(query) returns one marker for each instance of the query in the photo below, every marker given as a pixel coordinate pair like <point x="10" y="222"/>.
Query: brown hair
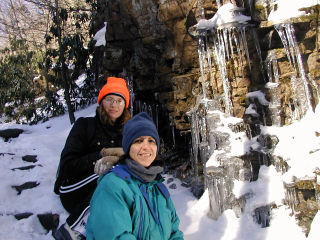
<point x="104" y="117"/>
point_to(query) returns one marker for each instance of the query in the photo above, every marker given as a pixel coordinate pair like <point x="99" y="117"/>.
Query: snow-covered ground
<point x="46" y="140"/>
<point x="298" y="144"/>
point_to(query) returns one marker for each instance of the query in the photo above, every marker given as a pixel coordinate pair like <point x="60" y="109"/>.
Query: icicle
<point x="296" y="51"/>
<point x="157" y="116"/>
<point x="275" y="70"/>
<point x="220" y="57"/>
<point x="150" y="111"/>
<point x="203" y="129"/>
<point x="225" y="41"/>
<point x="138" y="106"/>
<point x="248" y="131"/>
<point x="251" y="4"/>
<point x="202" y="9"/>
<point x="202" y="61"/>
<point x="314" y="84"/>
<point x="257" y="45"/>
<point x="230" y="41"/>
<point x="209" y="55"/>
<point x="269" y="71"/>
<point x="291" y="196"/>
<point x="215" y="189"/>
<point x="286" y="33"/>
<point x="264" y="119"/>
<point x="195" y="141"/>
<point x="272" y="67"/>
<point x="284" y="40"/>
<point x="297" y="112"/>
<point x="219" y="3"/>
<point x="144" y="107"/>
<point x="131" y="92"/>
<point x="262" y="215"/>
<point x="251" y="171"/>
<point x="237" y="42"/>
<point x="172" y="132"/>
<point x="245" y="44"/>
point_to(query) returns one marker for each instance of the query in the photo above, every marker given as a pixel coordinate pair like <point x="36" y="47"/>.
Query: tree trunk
<point x="64" y="73"/>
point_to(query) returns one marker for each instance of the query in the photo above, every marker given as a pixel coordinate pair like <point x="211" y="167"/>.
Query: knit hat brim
<point x="117" y="94"/>
<point x="117" y="86"/>
<point x="140" y="125"/>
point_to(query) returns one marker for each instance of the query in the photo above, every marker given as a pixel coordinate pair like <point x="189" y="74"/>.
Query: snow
<point x="271" y="85"/>
<point x="100" y="36"/>
<point x="286" y="9"/>
<point x="46" y="140"/>
<point x="260" y="96"/>
<point x="251" y="110"/>
<point x="299" y="145"/>
<point x="226" y="14"/>
<point x="282" y="11"/>
<point x="303" y="142"/>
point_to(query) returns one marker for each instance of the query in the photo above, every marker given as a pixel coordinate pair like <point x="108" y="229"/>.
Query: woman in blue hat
<point x="131" y="202"/>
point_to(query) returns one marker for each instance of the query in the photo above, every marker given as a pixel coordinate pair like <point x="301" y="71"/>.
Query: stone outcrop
<point x="7" y="134"/>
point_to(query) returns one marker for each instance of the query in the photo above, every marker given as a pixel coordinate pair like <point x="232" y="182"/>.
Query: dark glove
<point x="104" y="164"/>
<point x="112" y="152"/>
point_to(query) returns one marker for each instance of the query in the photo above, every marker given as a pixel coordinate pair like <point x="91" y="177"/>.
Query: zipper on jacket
<point x="141" y="219"/>
<point x="155" y="216"/>
<point x="145" y="194"/>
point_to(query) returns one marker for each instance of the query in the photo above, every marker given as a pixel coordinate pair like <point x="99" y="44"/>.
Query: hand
<point x="112" y="152"/>
<point x="104" y="164"/>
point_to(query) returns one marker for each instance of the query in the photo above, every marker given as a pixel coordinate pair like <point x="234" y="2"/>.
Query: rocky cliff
<point x="151" y="42"/>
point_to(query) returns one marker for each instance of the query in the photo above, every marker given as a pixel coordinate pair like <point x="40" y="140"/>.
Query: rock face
<point x="150" y="42"/>
<point x="155" y="44"/>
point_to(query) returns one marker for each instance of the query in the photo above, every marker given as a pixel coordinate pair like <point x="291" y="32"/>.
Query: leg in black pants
<point x="76" y="202"/>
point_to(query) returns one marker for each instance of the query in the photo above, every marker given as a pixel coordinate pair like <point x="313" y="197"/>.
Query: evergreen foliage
<point x="70" y="58"/>
<point x="18" y="91"/>
<point x="33" y="82"/>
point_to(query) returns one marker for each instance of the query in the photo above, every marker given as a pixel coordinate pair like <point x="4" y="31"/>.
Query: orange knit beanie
<point x="117" y="86"/>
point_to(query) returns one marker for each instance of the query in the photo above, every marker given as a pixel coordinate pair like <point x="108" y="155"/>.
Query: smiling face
<point x="114" y="106"/>
<point x="143" y="150"/>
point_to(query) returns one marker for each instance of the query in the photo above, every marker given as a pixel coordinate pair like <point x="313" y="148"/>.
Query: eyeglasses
<point x="111" y="101"/>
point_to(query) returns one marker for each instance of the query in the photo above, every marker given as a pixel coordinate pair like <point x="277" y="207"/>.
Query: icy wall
<point x="223" y="49"/>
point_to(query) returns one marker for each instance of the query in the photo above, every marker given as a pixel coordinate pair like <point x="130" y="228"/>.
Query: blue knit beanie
<point x="140" y="125"/>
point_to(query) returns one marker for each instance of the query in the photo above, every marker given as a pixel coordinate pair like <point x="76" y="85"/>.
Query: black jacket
<point x="82" y="150"/>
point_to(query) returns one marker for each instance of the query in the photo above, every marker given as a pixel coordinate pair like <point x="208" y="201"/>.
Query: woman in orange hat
<point x="92" y="147"/>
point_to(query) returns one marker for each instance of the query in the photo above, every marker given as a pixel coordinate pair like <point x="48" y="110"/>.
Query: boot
<point x="66" y="233"/>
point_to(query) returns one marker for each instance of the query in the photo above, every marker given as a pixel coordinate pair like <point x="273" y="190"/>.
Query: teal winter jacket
<point x="125" y="207"/>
